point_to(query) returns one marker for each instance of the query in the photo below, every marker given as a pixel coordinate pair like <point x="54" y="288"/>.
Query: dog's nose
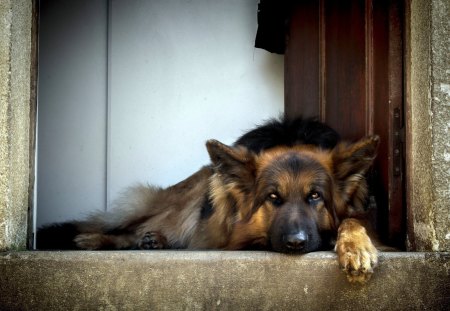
<point x="297" y="241"/>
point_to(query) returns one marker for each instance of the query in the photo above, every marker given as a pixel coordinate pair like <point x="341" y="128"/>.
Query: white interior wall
<point x="179" y="73"/>
<point x="71" y="149"/>
<point x="183" y="72"/>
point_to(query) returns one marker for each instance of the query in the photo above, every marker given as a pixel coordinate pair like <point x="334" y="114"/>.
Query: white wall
<point x="71" y="109"/>
<point x="180" y="72"/>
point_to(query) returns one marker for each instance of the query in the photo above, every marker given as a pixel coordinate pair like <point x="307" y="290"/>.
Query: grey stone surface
<point x="428" y="119"/>
<point x="15" y="53"/>
<point x="440" y="103"/>
<point x="217" y="280"/>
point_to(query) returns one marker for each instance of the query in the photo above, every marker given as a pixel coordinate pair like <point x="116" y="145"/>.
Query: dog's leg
<point x="95" y="241"/>
<point x="356" y="253"/>
<point x="153" y="240"/>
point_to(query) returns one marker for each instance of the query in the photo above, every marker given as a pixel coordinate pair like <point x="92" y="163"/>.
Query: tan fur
<point x="357" y="254"/>
<point x="227" y="206"/>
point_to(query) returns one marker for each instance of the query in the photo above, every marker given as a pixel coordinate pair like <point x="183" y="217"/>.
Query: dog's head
<point x="293" y="197"/>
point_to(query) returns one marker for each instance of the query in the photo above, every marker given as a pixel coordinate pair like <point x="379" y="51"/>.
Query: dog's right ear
<point x="236" y="163"/>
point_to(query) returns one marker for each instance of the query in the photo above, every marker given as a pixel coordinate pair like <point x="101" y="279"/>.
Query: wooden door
<point x="343" y="63"/>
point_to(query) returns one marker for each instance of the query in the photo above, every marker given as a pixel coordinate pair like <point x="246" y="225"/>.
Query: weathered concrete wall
<point x="15" y="47"/>
<point x="428" y="119"/>
<point x="440" y="102"/>
<point x="214" y="280"/>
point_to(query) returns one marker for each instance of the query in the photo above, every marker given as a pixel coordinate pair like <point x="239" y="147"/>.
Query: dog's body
<point x="292" y="194"/>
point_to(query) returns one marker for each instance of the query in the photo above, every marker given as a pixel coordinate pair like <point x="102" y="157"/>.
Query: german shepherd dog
<point x="286" y="186"/>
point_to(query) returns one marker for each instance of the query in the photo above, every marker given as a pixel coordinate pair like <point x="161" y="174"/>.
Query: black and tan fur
<point x="287" y="197"/>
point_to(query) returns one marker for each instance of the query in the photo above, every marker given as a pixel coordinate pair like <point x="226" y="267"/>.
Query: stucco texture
<point x="15" y="47"/>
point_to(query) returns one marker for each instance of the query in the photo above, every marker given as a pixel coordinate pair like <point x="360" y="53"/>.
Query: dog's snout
<point x="296" y="241"/>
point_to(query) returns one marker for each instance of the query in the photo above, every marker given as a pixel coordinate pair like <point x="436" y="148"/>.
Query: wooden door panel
<point x="304" y="62"/>
<point x="381" y="114"/>
<point x="344" y="64"/>
<point x="345" y="74"/>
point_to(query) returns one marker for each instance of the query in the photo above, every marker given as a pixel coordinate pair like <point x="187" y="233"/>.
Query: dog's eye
<point x="314" y="196"/>
<point x="275" y="199"/>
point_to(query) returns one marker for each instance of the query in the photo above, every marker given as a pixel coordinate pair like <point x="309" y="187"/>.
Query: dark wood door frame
<point x="344" y="64"/>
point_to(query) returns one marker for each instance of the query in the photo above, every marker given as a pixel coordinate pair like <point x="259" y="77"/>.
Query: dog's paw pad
<point x="152" y="240"/>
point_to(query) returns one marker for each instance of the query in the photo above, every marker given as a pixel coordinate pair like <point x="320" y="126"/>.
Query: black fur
<point x="57" y="236"/>
<point x="207" y="208"/>
<point x="287" y="132"/>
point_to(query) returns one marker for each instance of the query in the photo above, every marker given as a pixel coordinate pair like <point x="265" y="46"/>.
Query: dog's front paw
<point x="89" y="241"/>
<point x="356" y="253"/>
<point x="152" y="240"/>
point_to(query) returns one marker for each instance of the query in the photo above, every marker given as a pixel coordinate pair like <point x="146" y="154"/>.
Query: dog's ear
<point x="236" y="168"/>
<point x="351" y="163"/>
<point x="234" y="162"/>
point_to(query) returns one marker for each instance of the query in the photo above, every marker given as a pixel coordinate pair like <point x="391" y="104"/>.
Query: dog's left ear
<point x="351" y="163"/>
<point x="235" y="163"/>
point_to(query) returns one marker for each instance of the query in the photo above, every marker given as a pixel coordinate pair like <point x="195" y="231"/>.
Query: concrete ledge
<point x="216" y="280"/>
